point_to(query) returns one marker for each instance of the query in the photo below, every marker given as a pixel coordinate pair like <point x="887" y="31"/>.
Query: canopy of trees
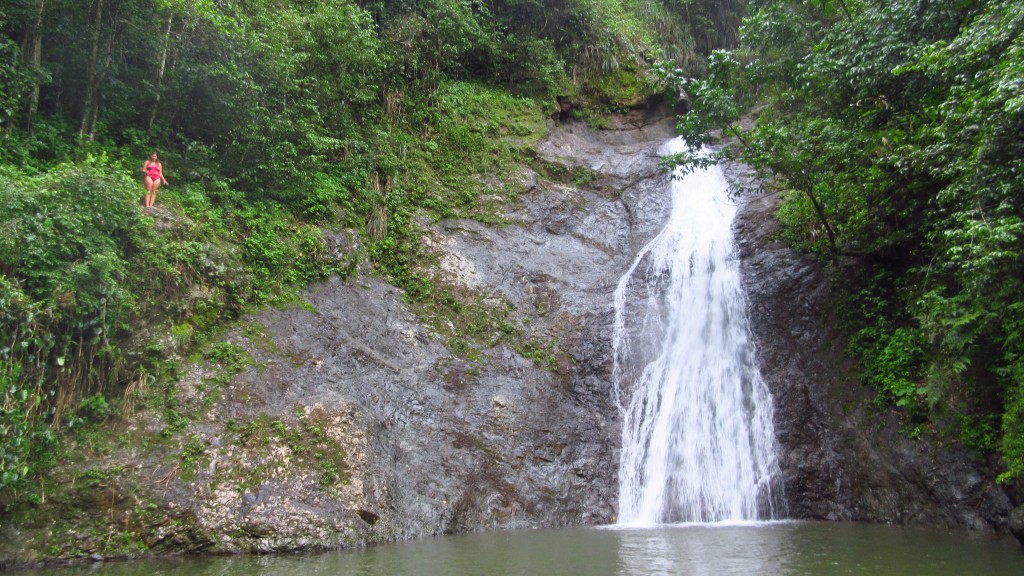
<point x="273" y="119"/>
<point x="895" y="130"/>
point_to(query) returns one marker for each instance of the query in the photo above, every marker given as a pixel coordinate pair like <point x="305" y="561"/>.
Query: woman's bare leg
<point x="151" y="187"/>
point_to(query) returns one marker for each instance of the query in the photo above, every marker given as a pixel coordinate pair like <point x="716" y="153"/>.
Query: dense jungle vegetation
<point x="892" y="128"/>
<point x="279" y="123"/>
<point x="895" y="132"/>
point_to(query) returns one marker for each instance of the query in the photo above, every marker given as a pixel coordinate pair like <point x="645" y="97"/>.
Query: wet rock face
<point x="840" y="459"/>
<point x="433" y="442"/>
<point x="422" y="440"/>
<point x="354" y="423"/>
<point x="1017" y="523"/>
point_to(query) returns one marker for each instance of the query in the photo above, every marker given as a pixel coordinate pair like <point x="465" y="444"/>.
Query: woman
<point x="154" y="172"/>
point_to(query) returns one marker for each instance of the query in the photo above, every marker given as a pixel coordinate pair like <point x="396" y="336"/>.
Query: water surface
<point x="797" y="548"/>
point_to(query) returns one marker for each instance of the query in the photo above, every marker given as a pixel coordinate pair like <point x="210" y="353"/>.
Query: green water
<point x="783" y="549"/>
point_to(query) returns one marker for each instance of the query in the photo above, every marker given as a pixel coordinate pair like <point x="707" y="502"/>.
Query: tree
<point x="900" y="125"/>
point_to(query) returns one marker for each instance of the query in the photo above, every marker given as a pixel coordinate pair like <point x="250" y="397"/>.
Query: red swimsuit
<point x="153" y="171"/>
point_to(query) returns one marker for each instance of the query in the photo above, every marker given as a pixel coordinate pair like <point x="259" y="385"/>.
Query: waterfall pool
<point x="777" y="549"/>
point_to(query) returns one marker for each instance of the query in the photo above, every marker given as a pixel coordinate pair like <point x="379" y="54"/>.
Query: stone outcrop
<point x="842" y="459"/>
<point x="347" y="420"/>
<point x="437" y="442"/>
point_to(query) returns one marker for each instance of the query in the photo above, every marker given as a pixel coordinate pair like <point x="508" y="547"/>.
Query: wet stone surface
<point x="355" y="423"/>
<point x="434" y="442"/>
<point x="841" y="459"/>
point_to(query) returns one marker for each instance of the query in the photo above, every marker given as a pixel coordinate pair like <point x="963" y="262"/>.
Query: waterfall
<point x="698" y="443"/>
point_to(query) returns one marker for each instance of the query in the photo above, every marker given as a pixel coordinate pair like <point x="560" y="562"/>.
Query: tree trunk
<point x="163" y="67"/>
<point x="35" y="56"/>
<point x="100" y="78"/>
<point x="846" y="10"/>
<point x="823" y="218"/>
<point x="91" y="82"/>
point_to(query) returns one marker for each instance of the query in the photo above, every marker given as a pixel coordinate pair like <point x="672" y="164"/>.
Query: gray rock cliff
<point x="355" y="422"/>
<point x="842" y="459"/>
<point x="436" y="442"/>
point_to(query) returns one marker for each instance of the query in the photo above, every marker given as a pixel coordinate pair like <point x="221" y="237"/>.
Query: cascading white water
<point x="698" y="443"/>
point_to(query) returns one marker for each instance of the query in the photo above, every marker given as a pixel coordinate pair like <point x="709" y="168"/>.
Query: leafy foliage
<point x="67" y="242"/>
<point x="274" y="121"/>
<point x="897" y="127"/>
